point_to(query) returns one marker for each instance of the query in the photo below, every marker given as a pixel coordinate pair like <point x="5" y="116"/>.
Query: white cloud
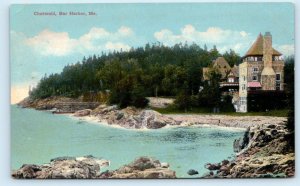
<point x="286" y="50"/>
<point x="53" y="43"/>
<point x="48" y="42"/>
<point x="116" y="46"/>
<point x="125" y="31"/>
<point x="224" y="39"/>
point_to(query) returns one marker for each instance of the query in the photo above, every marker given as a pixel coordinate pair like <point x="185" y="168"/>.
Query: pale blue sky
<point x="45" y="44"/>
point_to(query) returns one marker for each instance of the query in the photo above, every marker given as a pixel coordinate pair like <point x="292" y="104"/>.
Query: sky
<point x="44" y="44"/>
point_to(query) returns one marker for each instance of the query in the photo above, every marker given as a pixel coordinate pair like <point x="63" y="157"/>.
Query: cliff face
<point x="88" y="167"/>
<point x="263" y="152"/>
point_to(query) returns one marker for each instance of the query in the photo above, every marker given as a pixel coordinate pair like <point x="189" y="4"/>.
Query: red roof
<point x="254" y="84"/>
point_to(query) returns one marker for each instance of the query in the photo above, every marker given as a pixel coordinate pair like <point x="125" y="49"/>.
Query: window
<point x="277" y="85"/>
<point x="255" y="69"/>
<point x="254" y="78"/>
<point x="244" y="78"/>
<point x="277" y="77"/>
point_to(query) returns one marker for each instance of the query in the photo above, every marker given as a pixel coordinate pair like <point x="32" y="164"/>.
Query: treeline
<point x="130" y="76"/>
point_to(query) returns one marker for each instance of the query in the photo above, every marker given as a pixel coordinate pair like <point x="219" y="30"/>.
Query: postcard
<point x="150" y="91"/>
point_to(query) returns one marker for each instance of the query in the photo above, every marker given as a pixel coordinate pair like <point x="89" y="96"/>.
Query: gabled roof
<point x="222" y="66"/>
<point x="221" y="62"/>
<point x="257" y="48"/>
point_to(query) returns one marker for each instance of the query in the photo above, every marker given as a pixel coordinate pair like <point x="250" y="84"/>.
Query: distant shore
<point x="133" y="118"/>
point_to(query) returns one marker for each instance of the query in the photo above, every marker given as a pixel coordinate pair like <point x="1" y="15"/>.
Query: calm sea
<point x="38" y="136"/>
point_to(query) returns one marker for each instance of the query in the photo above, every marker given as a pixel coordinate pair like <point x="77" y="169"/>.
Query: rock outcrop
<point x="81" y="113"/>
<point x="132" y="118"/>
<point x="142" y="167"/>
<point x="88" y="167"/>
<point x="192" y="172"/>
<point x="263" y="152"/>
<point x="58" y="104"/>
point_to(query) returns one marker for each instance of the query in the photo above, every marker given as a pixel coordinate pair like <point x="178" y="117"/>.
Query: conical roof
<point x="257" y="48"/>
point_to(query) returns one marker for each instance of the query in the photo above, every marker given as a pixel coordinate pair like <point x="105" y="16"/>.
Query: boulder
<point x="63" y="168"/>
<point x="81" y="113"/>
<point x="192" y="172"/>
<point x="164" y="165"/>
<point x="132" y="117"/>
<point x="264" y="152"/>
<point x="142" y="167"/>
<point x="211" y="166"/>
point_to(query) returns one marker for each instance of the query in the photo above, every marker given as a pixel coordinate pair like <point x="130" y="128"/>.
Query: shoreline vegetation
<point x="263" y="151"/>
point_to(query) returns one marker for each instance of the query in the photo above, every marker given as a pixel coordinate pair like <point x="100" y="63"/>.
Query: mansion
<point x="260" y="73"/>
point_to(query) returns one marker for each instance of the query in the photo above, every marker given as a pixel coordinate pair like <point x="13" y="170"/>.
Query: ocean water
<point x="38" y="136"/>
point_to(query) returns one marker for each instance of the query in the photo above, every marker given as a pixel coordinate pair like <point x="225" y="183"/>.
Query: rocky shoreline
<point x="89" y="167"/>
<point x="263" y="152"/>
<point x="133" y="118"/>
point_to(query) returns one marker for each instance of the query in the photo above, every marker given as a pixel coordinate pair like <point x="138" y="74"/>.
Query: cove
<point x="38" y="136"/>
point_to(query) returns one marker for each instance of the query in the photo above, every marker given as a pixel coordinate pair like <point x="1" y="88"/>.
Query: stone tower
<point x="268" y="74"/>
<point x="261" y="70"/>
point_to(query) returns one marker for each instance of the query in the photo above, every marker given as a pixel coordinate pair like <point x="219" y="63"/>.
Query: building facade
<point x="229" y="81"/>
<point x="262" y="69"/>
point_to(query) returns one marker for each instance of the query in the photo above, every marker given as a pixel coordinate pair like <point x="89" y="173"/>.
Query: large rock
<point x="63" y="168"/>
<point x="192" y="172"/>
<point x="142" y="167"/>
<point x="88" y="167"/>
<point x="263" y="152"/>
<point x="242" y="143"/>
<point x="132" y="117"/>
<point x="84" y="112"/>
<point x="211" y="166"/>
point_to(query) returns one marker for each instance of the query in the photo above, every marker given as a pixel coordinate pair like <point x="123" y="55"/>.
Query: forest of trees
<point x="130" y="76"/>
<point x="153" y="70"/>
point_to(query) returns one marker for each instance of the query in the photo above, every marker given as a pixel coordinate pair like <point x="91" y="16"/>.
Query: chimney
<point x="267" y="74"/>
<point x="267" y="54"/>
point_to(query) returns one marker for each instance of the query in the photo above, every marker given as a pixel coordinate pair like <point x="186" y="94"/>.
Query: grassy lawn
<point x="173" y="110"/>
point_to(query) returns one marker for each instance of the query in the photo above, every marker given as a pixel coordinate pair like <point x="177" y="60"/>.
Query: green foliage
<point x="129" y="76"/>
<point x="138" y="97"/>
<point x="183" y="99"/>
<point x="210" y="96"/>
<point x="226" y="104"/>
<point x="289" y="72"/>
<point x="232" y="58"/>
